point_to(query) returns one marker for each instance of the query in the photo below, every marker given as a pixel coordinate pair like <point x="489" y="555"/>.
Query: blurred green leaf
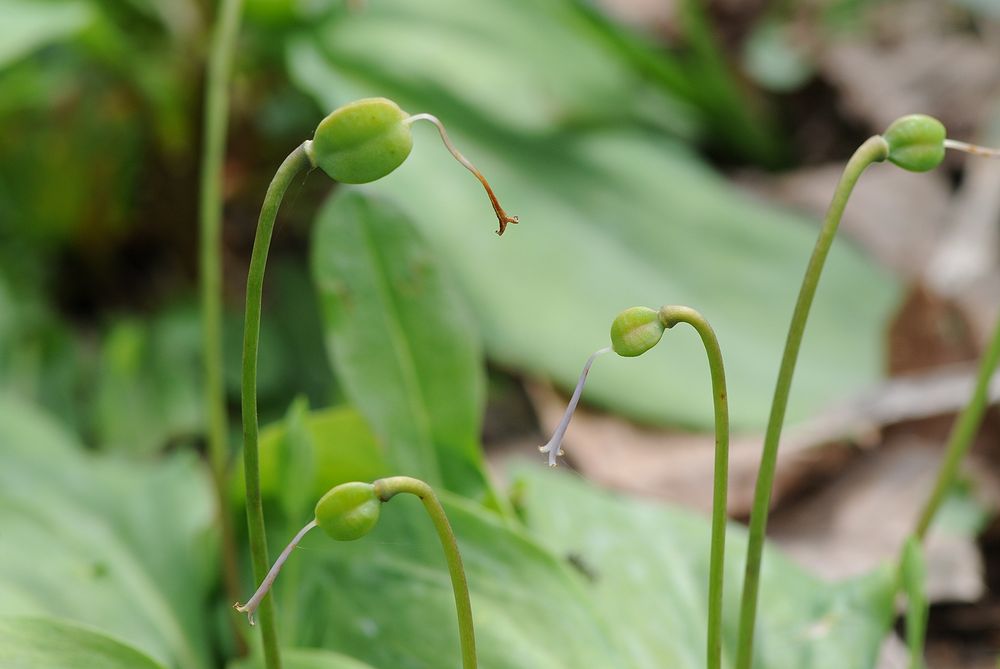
<point x="401" y="340"/>
<point x="387" y="599"/>
<point x="648" y="570"/>
<point x="45" y="643"/>
<point x="528" y="65"/>
<point x="735" y="120"/>
<point x="115" y="83"/>
<point x="116" y="545"/>
<point x="41" y="358"/>
<point x="963" y="513"/>
<point x="617" y="584"/>
<point x="297" y="462"/>
<point x="343" y="449"/>
<point x="52" y="190"/>
<point x="612" y="218"/>
<point x="30" y="24"/>
<point x="774" y="60"/>
<point x="302" y="658"/>
<point x="149" y="383"/>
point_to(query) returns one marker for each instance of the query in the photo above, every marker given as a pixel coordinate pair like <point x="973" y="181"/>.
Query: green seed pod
<point x="916" y="142"/>
<point x="362" y="141"/>
<point x="635" y="331"/>
<point x="349" y="511"/>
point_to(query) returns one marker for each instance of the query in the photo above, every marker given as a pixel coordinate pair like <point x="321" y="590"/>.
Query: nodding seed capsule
<point x="916" y="142"/>
<point x="349" y="511"/>
<point x="635" y="331"/>
<point x="362" y="141"/>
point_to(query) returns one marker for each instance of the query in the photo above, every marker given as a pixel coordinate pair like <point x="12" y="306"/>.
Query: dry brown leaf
<point x="862" y="518"/>
<point x="878" y="83"/>
<point x="678" y="466"/>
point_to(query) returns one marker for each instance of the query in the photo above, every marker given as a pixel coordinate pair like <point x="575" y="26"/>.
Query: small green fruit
<point x="916" y="142"/>
<point x="362" y="141"/>
<point x="349" y="511"/>
<point x="635" y="331"/>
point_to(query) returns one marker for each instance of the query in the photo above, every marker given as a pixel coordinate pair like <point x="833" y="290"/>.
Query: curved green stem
<point x="873" y="150"/>
<point x="220" y="66"/>
<point x="670" y="316"/>
<point x="962" y="434"/>
<point x="388" y="487"/>
<point x="297" y="161"/>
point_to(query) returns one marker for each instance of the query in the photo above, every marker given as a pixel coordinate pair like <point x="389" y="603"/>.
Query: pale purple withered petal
<point x="554" y="447"/>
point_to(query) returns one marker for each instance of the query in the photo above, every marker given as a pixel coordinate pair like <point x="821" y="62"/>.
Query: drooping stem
<point x="962" y="435"/>
<point x="670" y="316"/>
<point x="220" y="66"/>
<point x="873" y="150"/>
<point x="502" y="216"/>
<point x="387" y="488"/>
<point x="296" y="162"/>
<point x="554" y="446"/>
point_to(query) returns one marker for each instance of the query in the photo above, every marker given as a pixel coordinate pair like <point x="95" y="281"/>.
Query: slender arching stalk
<point x="633" y="332"/>
<point x="670" y="316"/>
<point x="388" y="487"/>
<point x="962" y="434"/>
<point x="220" y="66"/>
<point x="296" y="162"/>
<point x="875" y="149"/>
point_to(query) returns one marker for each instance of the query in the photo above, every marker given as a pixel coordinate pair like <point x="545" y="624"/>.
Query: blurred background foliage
<point x="615" y="139"/>
<point x="587" y="126"/>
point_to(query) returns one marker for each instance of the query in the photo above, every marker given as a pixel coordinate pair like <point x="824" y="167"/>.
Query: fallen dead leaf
<point x="678" y="466"/>
<point x="862" y="518"/>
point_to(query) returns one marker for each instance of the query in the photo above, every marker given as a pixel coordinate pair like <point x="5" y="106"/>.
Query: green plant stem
<point x="388" y="487"/>
<point x="669" y="316"/>
<point x="296" y="162"/>
<point x="220" y="66"/>
<point x="911" y="577"/>
<point x="962" y="435"/>
<point x="873" y="150"/>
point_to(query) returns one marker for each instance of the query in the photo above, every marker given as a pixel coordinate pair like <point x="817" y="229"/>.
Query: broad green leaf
<point x="305" y="658"/>
<point x="47" y="643"/>
<point x="648" y="568"/>
<point x="611" y="218"/>
<point x="112" y="544"/>
<point x="30" y="24"/>
<point x="343" y="449"/>
<point x="962" y="513"/>
<point x="292" y="354"/>
<point x="594" y="582"/>
<point x="41" y="359"/>
<point x="148" y="392"/>
<point x="400" y="340"/>
<point x="387" y="600"/>
<point x="527" y="65"/>
<point x="297" y="462"/>
<point x="913" y="575"/>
